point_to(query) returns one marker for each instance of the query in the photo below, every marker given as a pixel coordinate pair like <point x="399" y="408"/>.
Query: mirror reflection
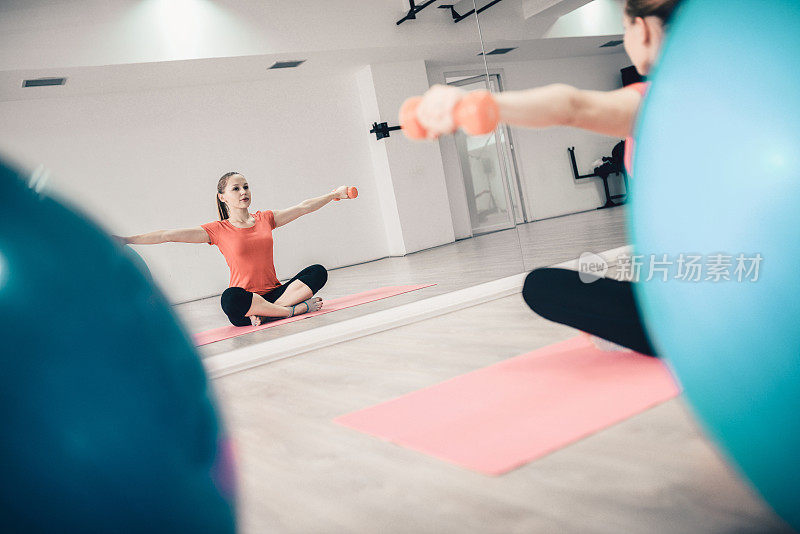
<point x="249" y="126"/>
<point x="570" y="182"/>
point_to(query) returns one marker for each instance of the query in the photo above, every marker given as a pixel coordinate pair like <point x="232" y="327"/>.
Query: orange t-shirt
<point x="641" y="88"/>
<point x="248" y="251"/>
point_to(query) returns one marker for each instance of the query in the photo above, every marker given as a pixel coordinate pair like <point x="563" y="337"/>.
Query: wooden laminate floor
<point x="301" y="473"/>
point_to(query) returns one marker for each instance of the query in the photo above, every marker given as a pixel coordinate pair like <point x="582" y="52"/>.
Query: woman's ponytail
<point x="222" y="208"/>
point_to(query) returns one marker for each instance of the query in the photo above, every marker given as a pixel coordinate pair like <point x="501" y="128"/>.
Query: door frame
<point x="517" y="179"/>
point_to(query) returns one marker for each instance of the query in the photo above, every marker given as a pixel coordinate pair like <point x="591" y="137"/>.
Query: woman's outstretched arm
<point x="183" y="235"/>
<point x="605" y="112"/>
<point x="443" y="109"/>
<point x="307" y="206"/>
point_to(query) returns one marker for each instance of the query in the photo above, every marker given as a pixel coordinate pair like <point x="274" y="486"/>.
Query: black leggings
<point x="236" y="301"/>
<point x="604" y="308"/>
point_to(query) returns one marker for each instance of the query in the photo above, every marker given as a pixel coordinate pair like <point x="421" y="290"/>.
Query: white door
<point x="487" y="165"/>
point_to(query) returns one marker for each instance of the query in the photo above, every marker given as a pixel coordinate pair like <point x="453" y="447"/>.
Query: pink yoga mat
<point x="503" y="416"/>
<point x="226" y="332"/>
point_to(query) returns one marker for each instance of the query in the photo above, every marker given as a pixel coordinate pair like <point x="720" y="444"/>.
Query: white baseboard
<point x="324" y="336"/>
<point x="610" y="256"/>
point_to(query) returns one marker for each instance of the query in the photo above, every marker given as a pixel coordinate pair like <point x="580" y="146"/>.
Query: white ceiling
<point x="113" y="45"/>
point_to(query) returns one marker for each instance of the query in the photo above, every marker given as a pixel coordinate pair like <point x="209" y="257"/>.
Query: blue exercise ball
<point x="717" y="177"/>
<point x="109" y="424"/>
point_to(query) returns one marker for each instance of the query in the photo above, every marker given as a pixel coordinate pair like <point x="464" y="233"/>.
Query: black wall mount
<point x="610" y="166"/>
<point x="413" y="10"/>
<point x="382" y="130"/>
<point x="458" y="17"/>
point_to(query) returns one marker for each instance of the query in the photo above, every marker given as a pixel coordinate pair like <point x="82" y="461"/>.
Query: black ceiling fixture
<point x="44" y="82"/>
<point x="287" y="64"/>
<point x="611" y="44"/>
<point x="458" y="17"/>
<point x="498" y="51"/>
<point x="413" y="10"/>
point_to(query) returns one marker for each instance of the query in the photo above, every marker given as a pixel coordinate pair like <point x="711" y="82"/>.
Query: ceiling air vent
<point x="611" y="44"/>
<point x="44" y="82"/>
<point x="498" y="51"/>
<point x="287" y="64"/>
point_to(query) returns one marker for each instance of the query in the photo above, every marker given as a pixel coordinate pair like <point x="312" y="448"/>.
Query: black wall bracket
<point x="458" y="17"/>
<point x="609" y="167"/>
<point x="382" y="130"/>
<point x="414" y="9"/>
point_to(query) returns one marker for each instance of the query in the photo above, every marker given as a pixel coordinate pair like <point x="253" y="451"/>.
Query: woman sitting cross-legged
<point x="245" y="240"/>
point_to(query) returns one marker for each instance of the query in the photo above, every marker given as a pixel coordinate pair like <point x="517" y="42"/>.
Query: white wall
<point x="417" y="173"/>
<point x="148" y="160"/>
<point x="144" y="161"/>
<point x="550" y="188"/>
<point x="381" y="168"/>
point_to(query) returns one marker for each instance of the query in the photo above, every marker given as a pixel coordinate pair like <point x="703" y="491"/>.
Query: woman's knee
<point x="236" y="303"/>
<point x="539" y="289"/>
<point x="320" y="271"/>
<point x="318" y="277"/>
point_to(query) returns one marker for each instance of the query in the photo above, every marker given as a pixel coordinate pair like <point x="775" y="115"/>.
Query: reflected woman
<point x="245" y="240"/>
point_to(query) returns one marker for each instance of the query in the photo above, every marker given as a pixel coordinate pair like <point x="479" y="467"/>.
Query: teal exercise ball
<point x="109" y="422"/>
<point x="138" y="261"/>
<point x="716" y="183"/>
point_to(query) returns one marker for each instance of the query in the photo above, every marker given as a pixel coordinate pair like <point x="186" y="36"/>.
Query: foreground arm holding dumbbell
<point x="444" y="109"/>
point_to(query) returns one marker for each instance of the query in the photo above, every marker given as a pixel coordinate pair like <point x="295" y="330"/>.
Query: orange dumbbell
<point x="476" y="114"/>
<point x="352" y="192"/>
<point x="408" y="119"/>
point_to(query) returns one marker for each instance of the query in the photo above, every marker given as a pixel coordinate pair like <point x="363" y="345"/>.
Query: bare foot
<point x="311" y="305"/>
<point x="257" y="320"/>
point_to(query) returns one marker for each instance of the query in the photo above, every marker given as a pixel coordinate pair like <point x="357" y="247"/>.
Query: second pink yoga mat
<point x="226" y="332"/>
<point x="503" y="416"/>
